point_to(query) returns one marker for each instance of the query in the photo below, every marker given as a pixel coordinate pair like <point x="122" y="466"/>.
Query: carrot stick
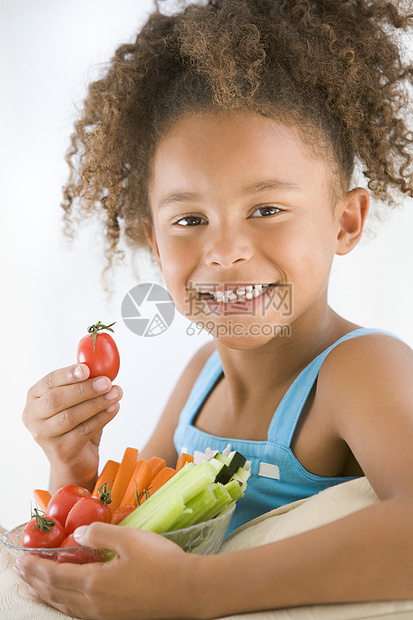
<point x="42" y="498"/>
<point x="183" y="459"/>
<point x="157" y="464"/>
<point x="140" y="480"/>
<point x="125" y="471"/>
<point x="163" y="476"/>
<point x="108" y="475"/>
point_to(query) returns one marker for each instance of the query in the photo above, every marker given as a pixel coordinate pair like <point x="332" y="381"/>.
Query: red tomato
<point x="42" y="532"/>
<point x="99" y="352"/>
<point x="75" y="555"/>
<point x="85" y="511"/>
<point x="121" y="513"/>
<point x="70" y="541"/>
<point x="63" y="501"/>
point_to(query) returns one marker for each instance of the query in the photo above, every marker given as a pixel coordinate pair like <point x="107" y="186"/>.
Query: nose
<point x="227" y="247"/>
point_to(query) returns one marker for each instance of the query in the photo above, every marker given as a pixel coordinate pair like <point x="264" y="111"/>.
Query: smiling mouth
<point x="237" y="294"/>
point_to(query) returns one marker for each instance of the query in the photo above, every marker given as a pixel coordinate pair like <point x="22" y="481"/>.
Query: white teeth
<point x="240" y="294"/>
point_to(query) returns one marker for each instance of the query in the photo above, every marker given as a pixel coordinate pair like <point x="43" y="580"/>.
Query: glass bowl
<point x="203" y="538"/>
<point x="75" y="555"/>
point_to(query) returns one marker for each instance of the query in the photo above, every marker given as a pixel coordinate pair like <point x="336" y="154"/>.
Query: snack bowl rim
<point x="53" y="550"/>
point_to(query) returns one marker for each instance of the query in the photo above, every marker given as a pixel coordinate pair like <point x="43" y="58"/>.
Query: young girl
<point x="225" y="139"/>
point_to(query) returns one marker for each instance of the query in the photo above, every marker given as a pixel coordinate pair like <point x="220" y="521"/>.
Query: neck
<point x="255" y="372"/>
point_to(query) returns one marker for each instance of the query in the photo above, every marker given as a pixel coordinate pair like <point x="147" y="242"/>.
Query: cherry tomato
<point x="41" y="532"/>
<point x="84" y="555"/>
<point x="99" y="352"/>
<point x="85" y="511"/>
<point x="121" y="513"/>
<point x="70" y="541"/>
<point x="63" y="500"/>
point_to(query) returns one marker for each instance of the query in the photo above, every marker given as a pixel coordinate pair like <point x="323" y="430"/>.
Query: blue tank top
<point x="277" y="477"/>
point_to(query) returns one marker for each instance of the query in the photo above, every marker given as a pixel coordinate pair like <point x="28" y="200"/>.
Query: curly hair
<point x="338" y="69"/>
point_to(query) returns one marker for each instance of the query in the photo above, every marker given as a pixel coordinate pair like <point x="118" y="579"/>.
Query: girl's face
<point x="238" y="200"/>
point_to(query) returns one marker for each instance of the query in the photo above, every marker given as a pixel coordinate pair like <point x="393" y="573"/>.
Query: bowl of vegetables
<point x="203" y="538"/>
<point x="192" y="508"/>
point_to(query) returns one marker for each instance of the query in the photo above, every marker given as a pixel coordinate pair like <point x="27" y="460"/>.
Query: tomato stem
<point x="43" y="523"/>
<point x="145" y="494"/>
<point x="105" y="493"/>
<point x="97" y="327"/>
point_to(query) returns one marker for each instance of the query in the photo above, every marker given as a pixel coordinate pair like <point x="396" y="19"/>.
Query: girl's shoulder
<point x="369" y="362"/>
<point x="364" y="390"/>
<point x="366" y="355"/>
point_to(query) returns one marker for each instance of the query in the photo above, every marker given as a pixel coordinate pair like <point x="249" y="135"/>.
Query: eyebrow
<point x="276" y="184"/>
<point x="180" y="197"/>
<point x="260" y="186"/>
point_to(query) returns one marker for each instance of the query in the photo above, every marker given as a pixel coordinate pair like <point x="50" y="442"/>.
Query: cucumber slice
<point x="222" y="458"/>
<point x="224" y="475"/>
<point x="237" y="460"/>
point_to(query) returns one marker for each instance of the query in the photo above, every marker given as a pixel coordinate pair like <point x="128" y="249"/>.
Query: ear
<point x="351" y="217"/>
<point x="149" y="231"/>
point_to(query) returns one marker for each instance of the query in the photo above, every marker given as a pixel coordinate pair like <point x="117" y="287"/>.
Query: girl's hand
<point x="66" y="412"/>
<point x="151" y="577"/>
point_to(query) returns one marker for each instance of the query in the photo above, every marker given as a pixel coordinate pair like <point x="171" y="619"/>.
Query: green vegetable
<point x="187" y="482"/>
<point x="193" y="495"/>
<point x="196" y="508"/>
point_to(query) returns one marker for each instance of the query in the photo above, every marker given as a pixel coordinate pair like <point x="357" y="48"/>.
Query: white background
<point x="49" y="51"/>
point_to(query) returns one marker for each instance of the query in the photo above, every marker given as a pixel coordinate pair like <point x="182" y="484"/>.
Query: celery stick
<point x="234" y="489"/>
<point x="161" y="520"/>
<point x="194" y="480"/>
<point x="175" y="478"/>
<point x="222" y="501"/>
<point x="140" y="515"/>
<point x="198" y="505"/>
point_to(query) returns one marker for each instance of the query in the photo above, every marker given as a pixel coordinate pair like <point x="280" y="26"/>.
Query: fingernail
<point x="78" y="372"/>
<point x="17" y="570"/>
<point x="19" y="565"/>
<point x="32" y="591"/>
<point x="101" y="384"/>
<point x="80" y="534"/>
<point x="111" y="408"/>
<point x="114" y="393"/>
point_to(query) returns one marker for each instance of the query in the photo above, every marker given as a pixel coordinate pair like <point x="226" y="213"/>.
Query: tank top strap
<point x="286" y="416"/>
<point x="205" y="382"/>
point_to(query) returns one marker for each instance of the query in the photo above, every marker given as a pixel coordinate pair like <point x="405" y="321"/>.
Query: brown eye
<point x="190" y="220"/>
<point x="265" y="211"/>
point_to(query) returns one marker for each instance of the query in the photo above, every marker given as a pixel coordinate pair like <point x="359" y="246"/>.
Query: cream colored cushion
<point x="16" y="602"/>
<point x="304" y="515"/>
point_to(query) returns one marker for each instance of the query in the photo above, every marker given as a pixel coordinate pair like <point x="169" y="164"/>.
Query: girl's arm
<point x="365" y="556"/>
<point x="161" y="442"/>
<point x="365" y="388"/>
